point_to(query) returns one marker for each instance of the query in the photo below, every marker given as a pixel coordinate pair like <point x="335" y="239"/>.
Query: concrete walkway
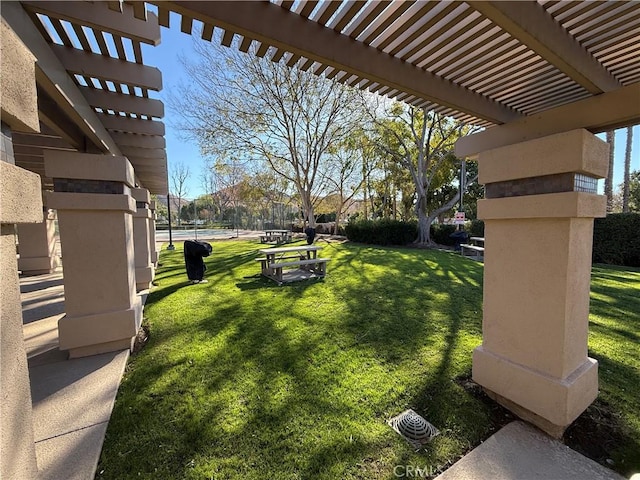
<point x="519" y="451"/>
<point x="72" y="399"/>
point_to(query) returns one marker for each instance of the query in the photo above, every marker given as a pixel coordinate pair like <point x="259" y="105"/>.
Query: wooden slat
<point x="139" y="10"/>
<point x="62" y="32"/>
<point x="227" y="38"/>
<point x="389" y="16"/>
<point x="376" y="9"/>
<point x="163" y="16"/>
<point x="102" y="44"/>
<point x="144" y="127"/>
<point x="98" y="66"/>
<point x="308" y="8"/>
<point x="326" y="12"/>
<point x="116" y="6"/>
<point x="137" y="52"/>
<point x="123" y="103"/>
<point x="306" y="65"/>
<point x="419" y="15"/>
<point x="279" y="53"/>
<point x="293" y="60"/>
<point x="262" y="50"/>
<point x="98" y="15"/>
<point x="141" y="141"/>
<point x="117" y="41"/>
<point x="186" y="24"/>
<point x="82" y="38"/>
<point x="432" y="22"/>
<point x="245" y="44"/>
<point x="347" y="16"/>
<point x="207" y="32"/>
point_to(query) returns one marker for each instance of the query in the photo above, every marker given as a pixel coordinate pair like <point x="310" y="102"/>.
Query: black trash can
<point x="311" y="234"/>
<point x="194" y="251"/>
<point x="459" y="237"/>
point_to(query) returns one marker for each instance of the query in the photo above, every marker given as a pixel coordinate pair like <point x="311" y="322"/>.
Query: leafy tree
<point x="634" y="191"/>
<point x="422" y="142"/>
<point x="237" y="104"/>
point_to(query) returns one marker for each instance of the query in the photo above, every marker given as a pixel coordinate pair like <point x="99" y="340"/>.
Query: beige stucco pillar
<point x="538" y="212"/>
<point x="20" y="202"/>
<point x="152" y="234"/>
<point x="38" y="246"/>
<point x="94" y="203"/>
<point x="141" y="238"/>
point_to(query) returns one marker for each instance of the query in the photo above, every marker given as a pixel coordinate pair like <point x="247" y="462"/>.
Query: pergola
<point x="542" y="76"/>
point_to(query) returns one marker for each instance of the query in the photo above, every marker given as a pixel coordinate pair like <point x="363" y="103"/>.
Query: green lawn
<point x="244" y="379"/>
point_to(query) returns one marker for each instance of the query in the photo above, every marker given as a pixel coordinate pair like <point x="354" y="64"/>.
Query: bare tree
<point x="627" y="171"/>
<point x="236" y="104"/>
<point x="350" y="166"/>
<point x="179" y="175"/>
<point x="608" y="182"/>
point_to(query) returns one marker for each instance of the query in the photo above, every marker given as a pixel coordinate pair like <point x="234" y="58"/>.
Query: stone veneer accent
<point x="72" y="185"/>
<point x="557" y="183"/>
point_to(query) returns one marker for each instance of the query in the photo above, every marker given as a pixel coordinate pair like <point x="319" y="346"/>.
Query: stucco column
<point x="38" y="245"/>
<point x="141" y="238"/>
<point x="21" y="202"/>
<point x="152" y="234"/>
<point x="539" y="208"/>
<point x="94" y="203"/>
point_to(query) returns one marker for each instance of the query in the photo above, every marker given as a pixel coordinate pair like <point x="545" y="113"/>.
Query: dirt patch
<point x="596" y="434"/>
<point x="499" y="415"/>
<point x="141" y="339"/>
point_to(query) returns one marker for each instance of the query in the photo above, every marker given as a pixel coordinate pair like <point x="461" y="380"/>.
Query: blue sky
<point x="175" y="43"/>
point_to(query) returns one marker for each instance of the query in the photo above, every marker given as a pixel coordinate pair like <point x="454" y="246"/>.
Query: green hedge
<point x="476" y="228"/>
<point x="616" y="239"/>
<point x="382" y="232"/>
<point x="440" y="233"/>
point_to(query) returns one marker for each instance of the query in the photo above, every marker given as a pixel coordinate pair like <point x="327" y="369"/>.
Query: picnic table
<point x="275" y="236"/>
<point x="476" y="246"/>
<point x="290" y="264"/>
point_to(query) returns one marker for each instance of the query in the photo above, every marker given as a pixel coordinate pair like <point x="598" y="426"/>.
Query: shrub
<point x="616" y="239"/>
<point x="382" y="232"/>
<point x="440" y="233"/>
<point x="476" y="228"/>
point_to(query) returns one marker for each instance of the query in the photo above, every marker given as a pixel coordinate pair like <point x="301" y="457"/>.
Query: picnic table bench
<point x="474" y="247"/>
<point x="289" y="264"/>
<point x="275" y="236"/>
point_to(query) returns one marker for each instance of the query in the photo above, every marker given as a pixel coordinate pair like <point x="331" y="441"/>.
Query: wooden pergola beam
<point x="530" y="23"/>
<point x="131" y="125"/>
<point x="102" y="16"/>
<point x="123" y="103"/>
<point x="601" y="113"/>
<point x="54" y="79"/>
<point x="268" y="23"/>
<point x="107" y="68"/>
<point x="140" y="141"/>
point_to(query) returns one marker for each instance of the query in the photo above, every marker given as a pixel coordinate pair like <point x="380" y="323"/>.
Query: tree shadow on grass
<point x="267" y="385"/>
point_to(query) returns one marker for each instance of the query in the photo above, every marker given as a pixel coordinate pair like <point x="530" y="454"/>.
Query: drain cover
<point x="415" y="429"/>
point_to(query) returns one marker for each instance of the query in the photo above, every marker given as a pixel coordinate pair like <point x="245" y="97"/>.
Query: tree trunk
<point x="627" y="168"/>
<point x="608" y="183"/>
